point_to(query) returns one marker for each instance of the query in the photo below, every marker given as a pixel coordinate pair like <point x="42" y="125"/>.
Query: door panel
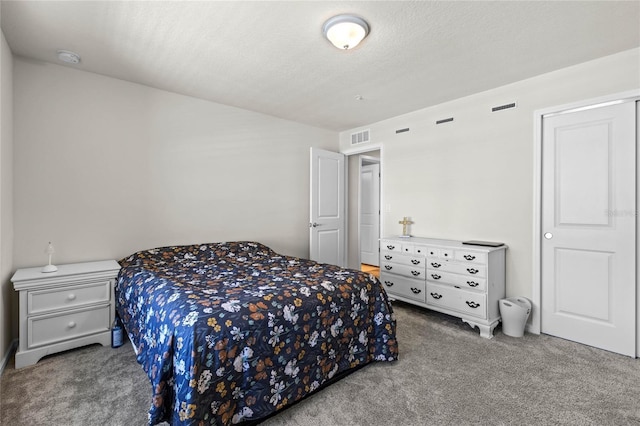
<point x="369" y="214"/>
<point x="588" y="218"/>
<point x="327" y="209"/>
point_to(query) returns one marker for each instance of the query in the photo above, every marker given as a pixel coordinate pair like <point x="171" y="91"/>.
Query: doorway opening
<point x="364" y="219"/>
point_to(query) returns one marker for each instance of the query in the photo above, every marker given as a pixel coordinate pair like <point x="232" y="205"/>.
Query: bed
<point x="234" y="332"/>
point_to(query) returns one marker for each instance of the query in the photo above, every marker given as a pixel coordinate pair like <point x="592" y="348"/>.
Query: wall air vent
<point x="444" y="120"/>
<point x="406" y="129"/>
<point x="505" y="106"/>
<point x="360" y="137"/>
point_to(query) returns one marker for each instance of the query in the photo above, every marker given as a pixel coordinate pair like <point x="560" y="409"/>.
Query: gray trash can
<point x="515" y="312"/>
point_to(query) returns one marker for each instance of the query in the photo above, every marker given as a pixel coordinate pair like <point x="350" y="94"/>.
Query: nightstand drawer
<point x="48" y="329"/>
<point x="53" y="299"/>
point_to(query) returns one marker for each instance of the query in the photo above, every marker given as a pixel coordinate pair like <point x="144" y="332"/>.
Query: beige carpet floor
<point x="447" y="375"/>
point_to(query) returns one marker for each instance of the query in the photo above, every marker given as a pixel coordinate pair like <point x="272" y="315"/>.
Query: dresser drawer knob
<point x="415" y="290"/>
<point x="386" y="256"/>
<point x="71" y="324"/>
<point x="472" y="271"/>
<point x="71" y="296"/>
<point x="435" y="264"/>
<point x="436" y="296"/>
<point x="388" y="283"/>
<point x="435" y="276"/>
<point x="472" y="284"/>
<point x="391" y="247"/>
<point x="415" y="273"/>
<point x="472" y="304"/>
<point x="388" y="267"/>
<point x="415" y="261"/>
<point x="469" y="256"/>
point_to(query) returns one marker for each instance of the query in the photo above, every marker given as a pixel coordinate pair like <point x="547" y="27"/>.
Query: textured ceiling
<point x="271" y="57"/>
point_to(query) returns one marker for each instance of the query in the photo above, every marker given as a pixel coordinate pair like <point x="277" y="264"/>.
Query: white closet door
<point x="589" y="227"/>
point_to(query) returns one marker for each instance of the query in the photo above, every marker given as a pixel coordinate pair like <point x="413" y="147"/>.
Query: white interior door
<point x="327" y="213"/>
<point x="589" y="226"/>
<point x="369" y="213"/>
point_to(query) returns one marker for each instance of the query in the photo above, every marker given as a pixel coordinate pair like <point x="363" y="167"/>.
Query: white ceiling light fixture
<point x="345" y="31"/>
<point x="68" y="57"/>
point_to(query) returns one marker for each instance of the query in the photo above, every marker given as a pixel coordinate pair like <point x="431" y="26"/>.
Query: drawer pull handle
<point x="386" y="256"/>
<point x="415" y="261"/>
<point x="436" y="296"/>
<point x="388" y="283"/>
<point x="469" y="257"/>
<point x="472" y="283"/>
<point x="472" y="304"/>
<point x="435" y="264"/>
<point x="435" y="276"/>
<point x="71" y="324"/>
<point x="415" y="273"/>
<point x="391" y="247"/>
<point x="446" y="255"/>
<point x="388" y="267"/>
<point x="472" y="271"/>
<point x="71" y="296"/>
<point x="418" y="251"/>
<point x="415" y="290"/>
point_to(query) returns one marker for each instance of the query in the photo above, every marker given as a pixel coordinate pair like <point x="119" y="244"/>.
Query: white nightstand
<point x="62" y="310"/>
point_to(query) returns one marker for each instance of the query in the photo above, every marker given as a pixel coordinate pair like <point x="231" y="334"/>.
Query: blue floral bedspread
<point x="232" y="332"/>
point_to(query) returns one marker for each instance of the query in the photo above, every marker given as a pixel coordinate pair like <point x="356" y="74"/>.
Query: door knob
<point x="314" y="225"/>
<point x="548" y="235"/>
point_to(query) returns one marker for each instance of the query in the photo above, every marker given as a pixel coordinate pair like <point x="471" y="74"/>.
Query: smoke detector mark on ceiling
<point x="69" y="57"/>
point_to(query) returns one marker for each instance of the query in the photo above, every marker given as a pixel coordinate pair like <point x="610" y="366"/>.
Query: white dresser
<point x="61" y="310"/>
<point x="465" y="281"/>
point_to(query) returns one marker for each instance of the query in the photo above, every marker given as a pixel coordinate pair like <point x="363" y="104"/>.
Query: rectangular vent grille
<point x="444" y="120"/>
<point x="402" y="130"/>
<point x="505" y="106"/>
<point x="360" y="137"/>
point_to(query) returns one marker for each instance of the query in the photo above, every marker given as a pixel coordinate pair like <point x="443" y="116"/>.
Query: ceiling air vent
<point x="360" y="137"/>
<point x="505" y="106"/>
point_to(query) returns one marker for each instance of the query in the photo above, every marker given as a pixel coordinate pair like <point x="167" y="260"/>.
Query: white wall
<point x="7" y="295"/>
<point x="104" y="168"/>
<point x="473" y="178"/>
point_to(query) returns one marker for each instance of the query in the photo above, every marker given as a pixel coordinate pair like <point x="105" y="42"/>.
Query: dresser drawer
<point x="417" y="271"/>
<point x="471" y="303"/>
<point x="415" y="261"/>
<point x="475" y="283"/>
<point x="41" y="301"/>
<point x="48" y="329"/>
<point x="465" y="256"/>
<point x="441" y="253"/>
<point x="392" y="246"/>
<point x="467" y="269"/>
<point x="405" y="287"/>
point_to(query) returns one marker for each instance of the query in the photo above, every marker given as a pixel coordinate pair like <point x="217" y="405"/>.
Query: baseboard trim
<point x="7" y="356"/>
